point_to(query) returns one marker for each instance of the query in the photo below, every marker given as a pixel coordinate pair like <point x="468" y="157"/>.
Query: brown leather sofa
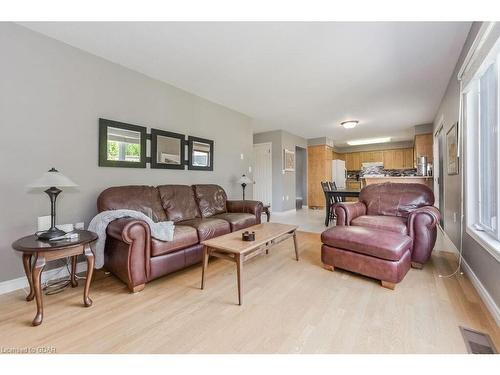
<point x="200" y="212"/>
<point x="402" y="208"/>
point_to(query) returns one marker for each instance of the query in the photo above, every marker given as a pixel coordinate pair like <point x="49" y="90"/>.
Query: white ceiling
<point x="302" y="77"/>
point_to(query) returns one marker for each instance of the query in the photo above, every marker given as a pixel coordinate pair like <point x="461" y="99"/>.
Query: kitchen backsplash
<point x="356" y="175"/>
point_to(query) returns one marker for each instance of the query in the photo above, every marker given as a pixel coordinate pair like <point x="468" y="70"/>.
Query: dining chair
<point x="329" y="201"/>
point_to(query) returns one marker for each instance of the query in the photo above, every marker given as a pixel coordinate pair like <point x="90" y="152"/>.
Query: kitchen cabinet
<point x="319" y="168"/>
<point x="338" y="156"/>
<point x="408" y="158"/>
<point x="372" y="156"/>
<point x="423" y="147"/>
<point x="394" y="159"/>
<point x="353" y="184"/>
<point x="353" y="161"/>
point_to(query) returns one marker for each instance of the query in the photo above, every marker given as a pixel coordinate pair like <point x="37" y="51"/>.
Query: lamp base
<point x="51" y="233"/>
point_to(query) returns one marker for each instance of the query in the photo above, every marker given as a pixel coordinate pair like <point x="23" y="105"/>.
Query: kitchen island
<point x="380" y="179"/>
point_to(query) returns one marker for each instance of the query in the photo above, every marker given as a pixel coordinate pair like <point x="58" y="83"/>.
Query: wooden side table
<point x="36" y="253"/>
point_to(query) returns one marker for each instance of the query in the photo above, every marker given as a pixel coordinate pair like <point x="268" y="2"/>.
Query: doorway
<point x="300" y="177"/>
<point x="439" y="172"/>
<point x="263" y="173"/>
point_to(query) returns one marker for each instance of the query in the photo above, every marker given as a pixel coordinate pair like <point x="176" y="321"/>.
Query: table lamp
<point x="52" y="180"/>
<point x="244" y="180"/>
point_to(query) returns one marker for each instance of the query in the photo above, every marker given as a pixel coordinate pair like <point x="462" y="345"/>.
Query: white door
<point x="263" y="173"/>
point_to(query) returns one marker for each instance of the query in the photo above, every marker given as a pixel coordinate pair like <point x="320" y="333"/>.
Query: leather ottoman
<point x="375" y="253"/>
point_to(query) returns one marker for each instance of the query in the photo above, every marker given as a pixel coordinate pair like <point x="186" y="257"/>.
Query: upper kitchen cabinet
<point x="353" y="161"/>
<point x="372" y="156"/>
<point x="393" y="159"/>
<point x="423" y="147"/>
<point x="408" y="158"/>
<point x="338" y="156"/>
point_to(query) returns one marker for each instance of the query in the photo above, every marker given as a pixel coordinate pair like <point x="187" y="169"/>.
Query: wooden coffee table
<point x="231" y="247"/>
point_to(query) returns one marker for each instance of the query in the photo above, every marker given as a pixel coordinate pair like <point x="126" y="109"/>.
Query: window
<point x="481" y="114"/>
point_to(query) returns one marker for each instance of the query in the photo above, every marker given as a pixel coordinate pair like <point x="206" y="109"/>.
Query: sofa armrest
<point x="422" y="229"/>
<point x="128" y="250"/>
<point x="346" y="212"/>
<point x="244" y="206"/>
<point x="432" y="213"/>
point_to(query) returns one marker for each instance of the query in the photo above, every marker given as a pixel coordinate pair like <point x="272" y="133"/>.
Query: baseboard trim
<point x="483" y="293"/>
<point x="22" y="282"/>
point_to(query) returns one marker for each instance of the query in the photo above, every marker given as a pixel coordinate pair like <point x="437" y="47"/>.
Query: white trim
<point x="22" y="282"/>
<point x="486" y="242"/>
<point x="483" y="293"/>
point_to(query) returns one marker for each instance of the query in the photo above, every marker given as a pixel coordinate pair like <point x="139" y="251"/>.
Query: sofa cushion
<point x="211" y="199"/>
<point x="391" y="223"/>
<point x="184" y="236"/>
<point x="395" y="199"/>
<point x="145" y="199"/>
<point x="208" y="227"/>
<point x="237" y="221"/>
<point x="179" y="202"/>
<point x="369" y="241"/>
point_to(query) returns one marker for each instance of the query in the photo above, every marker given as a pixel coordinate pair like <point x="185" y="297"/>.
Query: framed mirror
<point x="167" y="150"/>
<point x="200" y="154"/>
<point x="121" y="145"/>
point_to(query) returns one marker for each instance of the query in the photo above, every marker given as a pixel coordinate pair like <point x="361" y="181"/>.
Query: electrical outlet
<point x="454" y="217"/>
<point x="249" y="169"/>
<point x="242" y="156"/>
<point x="283" y="198"/>
<point x="287" y="197"/>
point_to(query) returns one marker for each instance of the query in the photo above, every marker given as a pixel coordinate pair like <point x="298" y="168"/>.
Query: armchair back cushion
<point x="392" y="199"/>
<point x="179" y="202"/>
<point x="211" y="199"/>
<point x="145" y="199"/>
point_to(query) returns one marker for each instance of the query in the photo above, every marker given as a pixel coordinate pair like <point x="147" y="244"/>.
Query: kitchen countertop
<point x="396" y="177"/>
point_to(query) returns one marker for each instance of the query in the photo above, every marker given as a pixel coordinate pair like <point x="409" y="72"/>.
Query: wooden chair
<point x="330" y="201"/>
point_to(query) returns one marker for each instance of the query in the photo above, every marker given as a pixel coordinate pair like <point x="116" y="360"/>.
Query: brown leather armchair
<point x="200" y="212"/>
<point x="402" y="208"/>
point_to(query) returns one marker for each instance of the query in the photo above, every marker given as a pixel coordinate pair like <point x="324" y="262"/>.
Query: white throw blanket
<point x="163" y="230"/>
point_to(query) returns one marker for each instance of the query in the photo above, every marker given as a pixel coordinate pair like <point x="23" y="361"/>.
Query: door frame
<point x="439" y="162"/>
<point x="270" y="144"/>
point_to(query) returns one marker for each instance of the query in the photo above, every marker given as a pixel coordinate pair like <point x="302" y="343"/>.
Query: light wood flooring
<point x="289" y="307"/>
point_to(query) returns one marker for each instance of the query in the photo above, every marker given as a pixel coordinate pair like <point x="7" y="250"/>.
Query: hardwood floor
<point x="290" y="307"/>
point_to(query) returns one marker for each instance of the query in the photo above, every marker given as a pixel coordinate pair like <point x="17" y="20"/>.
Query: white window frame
<point x="490" y="241"/>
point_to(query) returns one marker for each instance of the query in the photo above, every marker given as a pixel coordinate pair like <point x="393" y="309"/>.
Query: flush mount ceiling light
<point x="368" y="141"/>
<point x="349" y="124"/>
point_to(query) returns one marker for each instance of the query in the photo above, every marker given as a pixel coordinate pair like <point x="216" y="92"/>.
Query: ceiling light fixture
<point x="349" y="124"/>
<point x="368" y="141"/>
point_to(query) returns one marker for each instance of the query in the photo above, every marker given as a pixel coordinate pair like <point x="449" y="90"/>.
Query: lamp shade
<point x="244" y="180"/>
<point x="52" y="178"/>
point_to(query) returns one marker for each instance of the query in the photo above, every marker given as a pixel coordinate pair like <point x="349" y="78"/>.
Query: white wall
<point x="51" y="96"/>
<point x="482" y="263"/>
<point x="283" y="182"/>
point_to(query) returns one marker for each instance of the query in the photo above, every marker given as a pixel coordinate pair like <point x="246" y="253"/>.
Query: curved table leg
<point x="74" y="282"/>
<point x="36" y="279"/>
<point x="27" y="270"/>
<point x="90" y="270"/>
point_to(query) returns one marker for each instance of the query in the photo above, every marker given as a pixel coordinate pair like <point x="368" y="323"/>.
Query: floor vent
<point x="477" y="342"/>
